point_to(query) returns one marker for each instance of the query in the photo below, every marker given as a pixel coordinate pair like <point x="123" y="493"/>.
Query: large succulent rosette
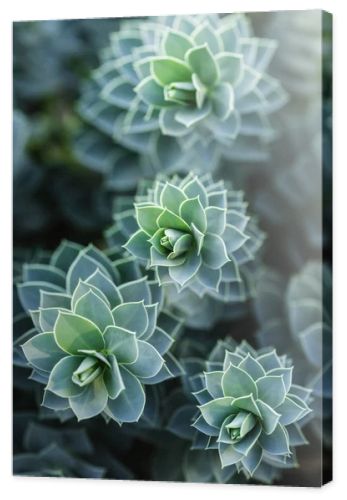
<point x="194" y="233"/>
<point x="177" y="88"/>
<point x="250" y="411"/>
<point x="97" y="340"/>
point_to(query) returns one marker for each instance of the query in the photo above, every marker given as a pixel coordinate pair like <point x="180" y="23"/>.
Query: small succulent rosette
<point x="250" y="411"/>
<point x="97" y="340"/>
<point x="194" y="233"/>
<point x="183" y="87"/>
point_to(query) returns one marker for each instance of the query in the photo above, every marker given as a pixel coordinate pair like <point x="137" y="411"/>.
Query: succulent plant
<point x="250" y="410"/>
<point x="193" y="232"/>
<point x="97" y="340"/>
<point x="181" y="88"/>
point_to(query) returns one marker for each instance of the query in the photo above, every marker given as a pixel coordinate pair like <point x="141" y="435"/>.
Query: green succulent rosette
<point x="194" y="233"/>
<point x="97" y="340"/>
<point x="178" y="88"/>
<point x="250" y="410"/>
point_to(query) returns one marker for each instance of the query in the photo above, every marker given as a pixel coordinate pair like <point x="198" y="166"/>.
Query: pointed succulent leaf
<point x="290" y="411"/>
<point x="215" y="411"/>
<point x="271" y="390"/>
<point x="176" y="44"/>
<point x="147" y="218"/>
<point x="42" y="352"/>
<point x="138" y="244"/>
<point x="276" y="443"/>
<point x="236" y="383"/>
<point x="214" y="383"/>
<point x="228" y="455"/>
<point x="166" y="70"/>
<point x="73" y="332"/>
<point x="269" y="417"/>
<point x="171" y="197"/>
<point x="91" y="401"/>
<point x="214" y="252"/>
<point x="131" y="316"/>
<point x="90" y="306"/>
<point x="129" y="405"/>
<point x="113" y="379"/>
<point x="136" y="291"/>
<point x="60" y="380"/>
<point x="121" y="343"/>
<point x="148" y="362"/>
<point x="192" y="212"/>
<point x="103" y="284"/>
<point x="201" y="61"/>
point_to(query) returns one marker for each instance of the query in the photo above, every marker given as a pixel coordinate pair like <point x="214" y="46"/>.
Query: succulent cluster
<point x="132" y="323"/>
<point x="174" y="89"/>
<point x="97" y="342"/>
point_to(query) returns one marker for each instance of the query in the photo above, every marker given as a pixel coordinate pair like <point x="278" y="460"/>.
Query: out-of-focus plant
<point x="184" y="88"/>
<point x="296" y="319"/>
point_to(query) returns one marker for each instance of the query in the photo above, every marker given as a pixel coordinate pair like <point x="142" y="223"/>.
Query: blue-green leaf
<point x="216" y="411"/>
<point x="131" y="316"/>
<point x="166" y="70"/>
<point x="42" y="351"/>
<point x="290" y="411"/>
<point x="214" y="253"/>
<point x="271" y="390"/>
<point x="148" y="362"/>
<point x="213" y="382"/>
<point x="91" y="401"/>
<point x="136" y="291"/>
<point x="275" y="443"/>
<point x="129" y="405"/>
<point x="202" y="62"/>
<point x="112" y="378"/>
<point x="193" y="213"/>
<point x="176" y="44"/>
<point x="187" y="270"/>
<point x="73" y="332"/>
<point x="122" y="343"/>
<point x="60" y="380"/>
<point x="171" y="197"/>
<point x="90" y="306"/>
<point x="216" y="219"/>
<point x="236" y="383"/>
<point x="228" y="455"/>
<point x="270" y="417"/>
<point x="147" y="218"/>
<point x="138" y="244"/>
